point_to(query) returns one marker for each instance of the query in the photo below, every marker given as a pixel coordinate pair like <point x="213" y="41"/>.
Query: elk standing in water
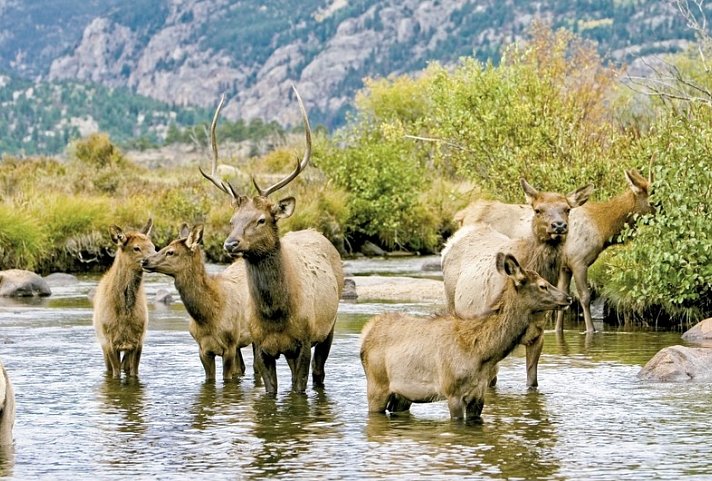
<point x="408" y="360"/>
<point x="294" y="282"/>
<point x="7" y="408"/>
<point x="471" y="281"/>
<point x="120" y="309"/>
<point x="216" y="303"/>
<point x="593" y="228"/>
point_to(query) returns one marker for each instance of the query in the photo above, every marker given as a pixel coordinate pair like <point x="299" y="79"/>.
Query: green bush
<point x="22" y="239"/>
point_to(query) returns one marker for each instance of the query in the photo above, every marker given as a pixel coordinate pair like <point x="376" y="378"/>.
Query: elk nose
<point x="559" y="227"/>
<point x="231" y="244"/>
<point x="144" y="262"/>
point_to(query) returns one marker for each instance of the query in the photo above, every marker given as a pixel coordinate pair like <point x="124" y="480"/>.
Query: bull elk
<point x="216" y="303"/>
<point x="7" y="408"/>
<point x="594" y="227"/>
<point x="409" y="360"/>
<point x="294" y="282"/>
<point x="472" y="284"/>
<point x="120" y="309"/>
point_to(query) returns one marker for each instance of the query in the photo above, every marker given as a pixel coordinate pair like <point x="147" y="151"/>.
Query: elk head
<point x="551" y="210"/>
<point x="541" y="295"/>
<point x="134" y="245"/>
<point x="254" y="230"/>
<point x="178" y="255"/>
<point x="640" y="186"/>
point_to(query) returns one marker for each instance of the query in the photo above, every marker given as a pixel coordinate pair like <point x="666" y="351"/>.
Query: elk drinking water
<point x="471" y="281"/>
<point x="295" y="282"/>
<point x="217" y="303"/>
<point x="409" y="360"/>
<point x="120" y="309"/>
<point x="593" y="228"/>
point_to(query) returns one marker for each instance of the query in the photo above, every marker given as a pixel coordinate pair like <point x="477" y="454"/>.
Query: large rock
<point x="61" y="279"/>
<point x="702" y="331"/>
<point x="20" y="283"/>
<point x="679" y="363"/>
<point x="400" y="289"/>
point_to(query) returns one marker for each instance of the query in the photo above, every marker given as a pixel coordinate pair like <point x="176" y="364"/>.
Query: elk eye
<point x="169" y="253"/>
<point x="543" y="287"/>
<point x="537" y="211"/>
<point x="137" y="249"/>
<point x="261" y="221"/>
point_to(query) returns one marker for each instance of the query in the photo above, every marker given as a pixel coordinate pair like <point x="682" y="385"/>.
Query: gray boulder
<point x="679" y="363"/>
<point x="349" y="293"/>
<point x="702" y="331"/>
<point x="59" y="279"/>
<point x="21" y="283"/>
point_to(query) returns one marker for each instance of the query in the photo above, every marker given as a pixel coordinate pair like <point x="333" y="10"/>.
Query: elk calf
<point x="471" y="281"/>
<point x="409" y="360"/>
<point x="120" y="309"/>
<point x="7" y="408"/>
<point x="216" y="303"/>
<point x="295" y="282"/>
<point x="593" y="227"/>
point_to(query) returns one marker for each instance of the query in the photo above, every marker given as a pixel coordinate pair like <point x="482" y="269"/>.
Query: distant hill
<point x="185" y="53"/>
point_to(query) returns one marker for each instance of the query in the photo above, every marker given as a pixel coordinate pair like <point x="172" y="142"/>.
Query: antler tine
<point x="213" y="177"/>
<point x="301" y="165"/>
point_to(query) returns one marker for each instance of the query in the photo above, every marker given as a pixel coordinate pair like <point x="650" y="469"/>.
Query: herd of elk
<point x="409" y="360"/>
<point x="217" y="304"/>
<point x="294" y="282"/>
<point x="120" y="309"/>
<point x="592" y="229"/>
<point x="472" y="284"/>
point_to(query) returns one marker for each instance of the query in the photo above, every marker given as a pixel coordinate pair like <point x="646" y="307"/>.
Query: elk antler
<point x="213" y="177"/>
<point x="300" y="165"/>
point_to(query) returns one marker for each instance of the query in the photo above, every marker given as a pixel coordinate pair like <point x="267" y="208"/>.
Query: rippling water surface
<point x="590" y="418"/>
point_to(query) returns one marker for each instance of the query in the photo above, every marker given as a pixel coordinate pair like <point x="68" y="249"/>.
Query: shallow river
<point x="590" y="418"/>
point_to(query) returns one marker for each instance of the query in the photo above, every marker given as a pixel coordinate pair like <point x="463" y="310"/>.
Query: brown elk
<point x="216" y="303"/>
<point x="294" y="282"/>
<point x="120" y="309"/>
<point x="408" y="360"/>
<point x="471" y="282"/>
<point x="7" y="408"/>
<point x="593" y="228"/>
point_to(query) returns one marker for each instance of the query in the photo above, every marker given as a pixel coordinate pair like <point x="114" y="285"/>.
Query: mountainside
<point x="188" y="52"/>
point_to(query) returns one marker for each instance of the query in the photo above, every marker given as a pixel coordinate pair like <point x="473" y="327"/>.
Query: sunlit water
<point x="591" y="418"/>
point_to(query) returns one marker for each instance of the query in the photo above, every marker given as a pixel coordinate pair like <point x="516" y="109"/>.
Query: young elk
<point x="593" y="228"/>
<point x="120" y="309"/>
<point x="471" y="281"/>
<point x="409" y="360"/>
<point x="294" y="282"/>
<point x="216" y="303"/>
<point x="7" y="408"/>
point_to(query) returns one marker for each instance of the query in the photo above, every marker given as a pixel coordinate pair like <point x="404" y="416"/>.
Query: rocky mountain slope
<point x="188" y="52"/>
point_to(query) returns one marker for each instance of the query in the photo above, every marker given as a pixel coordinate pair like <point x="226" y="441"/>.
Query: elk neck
<point x="612" y="215"/>
<point x="200" y="292"/>
<point x="494" y="335"/>
<point x="542" y="257"/>
<point x="269" y="285"/>
<point x="126" y="276"/>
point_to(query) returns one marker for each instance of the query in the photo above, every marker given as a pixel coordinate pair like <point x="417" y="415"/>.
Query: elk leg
<point x="240" y="362"/>
<point x="229" y="365"/>
<point x="256" y="366"/>
<point x="208" y="362"/>
<point x="456" y="406"/>
<point x="300" y="368"/>
<point x="584" y="292"/>
<point x="321" y="352"/>
<point x="534" y="349"/>
<point x="473" y="410"/>
<point x="563" y="284"/>
<point x="377" y="395"/>
<point x="134" y="360"/>
<point x="112" y="357"/>
<point x="397" y="403"/>
<point x="267" y="366"/>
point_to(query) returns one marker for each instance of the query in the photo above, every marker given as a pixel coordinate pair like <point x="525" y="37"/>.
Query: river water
<point x="591" y="418"/>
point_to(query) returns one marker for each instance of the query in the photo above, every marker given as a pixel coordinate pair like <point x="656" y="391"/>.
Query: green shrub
<point x="22" y="239"/>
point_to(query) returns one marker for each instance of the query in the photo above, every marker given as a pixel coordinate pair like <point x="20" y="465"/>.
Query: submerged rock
<point x="164" y="296"/>
<point x="21" y="283"/>
<point x="679" y="363"/>
<point x="57" y="279"/>
<point x="349" y="292"/>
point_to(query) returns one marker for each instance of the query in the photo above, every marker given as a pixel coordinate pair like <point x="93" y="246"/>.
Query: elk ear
<point x="529" y="192"/>
<point x="637" y="182"/>
<point x="183" y="231"/>
<point x="195" y="237"/>
<point x="147" y="228"/>
<point x="508" y="265"/>
<point x="117" y="235"/>
<point x="284" y="208"/>
<point x="580" y="196"/>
